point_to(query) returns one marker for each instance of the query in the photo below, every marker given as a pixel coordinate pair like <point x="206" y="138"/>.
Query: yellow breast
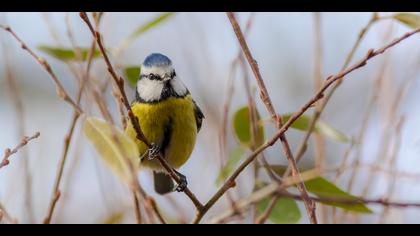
<point x="177" y="114"/>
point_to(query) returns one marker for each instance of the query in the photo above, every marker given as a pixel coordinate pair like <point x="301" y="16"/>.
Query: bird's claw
<point x="183" y="182"/>
<point x="152" y="152"/>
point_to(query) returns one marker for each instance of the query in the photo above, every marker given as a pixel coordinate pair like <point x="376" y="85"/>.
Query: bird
<point x="169" y="118"/>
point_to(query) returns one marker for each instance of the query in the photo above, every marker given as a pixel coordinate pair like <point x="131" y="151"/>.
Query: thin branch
<point x="310" y="207"/>
<point x="318" y="58"/>
<point x="264" y="216"/>
<point x="62" y="93"/>
<point x="318" y="62"/>
<point x="16" y="95"/>
<point x="320" y="107"/>
<point x="275" y="190"/>
<point x="393" y="164"/>
<point x="68" y="137"/>
<point x="228" y="102"/>
<point x="8" y="153"/>
<point x="365" y="122"/>
<point x="56" y="189"/>
<point x="137" y="207"/>
<point x="230" y="182"/>
<point x="6" y="216"/>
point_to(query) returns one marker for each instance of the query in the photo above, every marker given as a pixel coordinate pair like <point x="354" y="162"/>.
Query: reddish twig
<point x="310" y="207"/>
<point x="8" y="152"/>
<point x="275" y="190"/>
<point x="68" y="137"/>
<point x="16" y="95"/>
<point x="62" y="93"/>
<point x="6" y="216"/>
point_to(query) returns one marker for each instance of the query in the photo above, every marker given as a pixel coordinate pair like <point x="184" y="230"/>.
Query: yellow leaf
<point x="114" y="218"/>
<point x="409" y="19"/>
<point x="113" y="145"/>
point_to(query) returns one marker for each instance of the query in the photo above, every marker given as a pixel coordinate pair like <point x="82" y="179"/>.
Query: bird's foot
<point x="183" y="182"/>
<point x="152" y="152"/>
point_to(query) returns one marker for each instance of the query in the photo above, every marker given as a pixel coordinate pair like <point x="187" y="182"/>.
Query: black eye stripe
<point x="151" y="76"/>
<point x="157" y="77"/>
<point x="154" y="77"/>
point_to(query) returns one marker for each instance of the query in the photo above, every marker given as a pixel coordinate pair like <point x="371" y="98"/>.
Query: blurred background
<point x="202" y="47"/>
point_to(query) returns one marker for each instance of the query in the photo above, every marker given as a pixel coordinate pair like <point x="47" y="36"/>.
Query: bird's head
<point x="158" y="80"/>
<point x="157" y="67"/>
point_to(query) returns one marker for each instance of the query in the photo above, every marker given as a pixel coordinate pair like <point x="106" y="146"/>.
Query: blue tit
<point x="169" y="118"/>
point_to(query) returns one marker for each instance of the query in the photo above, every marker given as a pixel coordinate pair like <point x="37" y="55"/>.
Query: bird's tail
<point x="163" y="183"/>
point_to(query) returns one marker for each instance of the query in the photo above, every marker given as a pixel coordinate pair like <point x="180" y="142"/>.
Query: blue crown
<point x="157" y="59"/>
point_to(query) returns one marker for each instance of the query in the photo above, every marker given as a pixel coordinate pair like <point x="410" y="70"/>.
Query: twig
<point x="230" y="182"/>
<point x="254" y="132"/>
<point x="318" y="58"/>
<point x="62" y="93"/>
<point x="320" y="108"/>
<point x="6" y="216"/>
<point x="347" y="201"/>
<point x="318" y="61"/>
<point x="264" y="216"/>
<point x="228" y="102"/>
<point x="275" y="190"/>
<point x="137" y="207"/>
<point x="8" y="152"/>
<point x="310" y="207"/>
<point x="393" y="157"/>
<point x="16" y="95"/>
<point x="56" y="189"/>
<point x="67" y="139"/>
<point x="362" y="132"/>
<point x="81" y="76"/>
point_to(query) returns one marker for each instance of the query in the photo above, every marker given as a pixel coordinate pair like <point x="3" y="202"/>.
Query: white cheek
<point x="149" y="90"/>
<point x="178" y="86"/>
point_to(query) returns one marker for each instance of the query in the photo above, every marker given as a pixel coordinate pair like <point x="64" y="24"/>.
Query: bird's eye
<point x="153" y="77"/>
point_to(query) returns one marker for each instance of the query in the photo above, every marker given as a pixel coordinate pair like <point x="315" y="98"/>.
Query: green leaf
<point x="233" y="159"/>
<point x="409" y="19"/>
<point x="67" y="54"/>
<point x="145" y="27"/>
<point x="285" y="211"/>
<point x="321" y="187"/>
<point x="325" y="189"/>
<point x="150" y="24"/>
<point x="303" y="122"/>
<point x="242" y="127"/>
<point x="132" y="74"/>
<point x="113" y="145"/>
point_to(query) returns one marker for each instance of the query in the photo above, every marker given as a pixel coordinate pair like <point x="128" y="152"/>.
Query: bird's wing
<point x="199" y="116"/>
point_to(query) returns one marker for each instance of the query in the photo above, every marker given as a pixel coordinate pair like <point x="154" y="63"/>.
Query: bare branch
<point x="275" y="190"/>
<point x="8" y="153"/>
<point x="310" y="207"/>
<point x="4" y="215"/>
<point x="68" y="137"/>
<point x="62" y="93"/>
